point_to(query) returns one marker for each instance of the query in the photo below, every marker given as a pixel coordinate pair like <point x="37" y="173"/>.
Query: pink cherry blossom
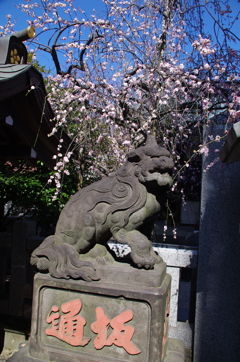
<point x="135" y="68"/>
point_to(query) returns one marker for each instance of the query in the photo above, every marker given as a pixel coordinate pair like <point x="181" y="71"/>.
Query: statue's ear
<point x="133" y="156"/>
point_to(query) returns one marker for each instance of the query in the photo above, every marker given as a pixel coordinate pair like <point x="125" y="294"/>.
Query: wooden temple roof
<point x="26" y="117"/>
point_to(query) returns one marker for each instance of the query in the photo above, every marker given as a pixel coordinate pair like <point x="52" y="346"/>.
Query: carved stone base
<point x="121" y="318"/>
<point x="175" y="353"/>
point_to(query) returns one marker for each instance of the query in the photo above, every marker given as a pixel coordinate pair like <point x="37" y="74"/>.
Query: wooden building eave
<point x="26" y="117"/>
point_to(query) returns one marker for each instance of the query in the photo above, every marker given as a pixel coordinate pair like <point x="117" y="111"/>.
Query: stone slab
<point x="147" y="305"/>
<point x="175" y="274"/>
<point x="176" y="353"/>
<point x="124" y="273"/>
<point x="184" y="332"/>
<point x="12" y="339"/>
<point x="22" y="356"/>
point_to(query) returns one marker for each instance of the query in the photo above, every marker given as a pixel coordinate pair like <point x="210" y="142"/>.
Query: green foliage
<point x="36" y="64"/>
<point x="28" y="190"/>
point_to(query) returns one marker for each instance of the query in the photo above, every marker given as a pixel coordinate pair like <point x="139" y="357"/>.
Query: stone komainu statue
<point x="122" y="205"/>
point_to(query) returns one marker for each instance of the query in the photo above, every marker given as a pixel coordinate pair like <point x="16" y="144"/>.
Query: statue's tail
<point x="62" y="261"/>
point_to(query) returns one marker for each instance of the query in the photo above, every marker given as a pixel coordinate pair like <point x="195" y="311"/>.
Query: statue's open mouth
<point x="162" y="172"/>
<point x="158" y="170"/>
<point x="163" y="178"/>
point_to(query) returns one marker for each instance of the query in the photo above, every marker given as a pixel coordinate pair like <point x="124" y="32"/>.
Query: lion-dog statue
<point x="123" y="205"/>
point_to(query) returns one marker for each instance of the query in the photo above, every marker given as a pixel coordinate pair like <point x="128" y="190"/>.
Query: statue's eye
<point x="162" y="159"/>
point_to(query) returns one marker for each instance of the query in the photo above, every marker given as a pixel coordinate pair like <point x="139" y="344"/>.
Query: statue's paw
<point x="145" y="263"/>
<point x="158" y="259"/>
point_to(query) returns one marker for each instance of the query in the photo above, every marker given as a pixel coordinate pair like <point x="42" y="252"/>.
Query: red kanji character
<point x="121" y="335"/>
<point x="69" y="328"/>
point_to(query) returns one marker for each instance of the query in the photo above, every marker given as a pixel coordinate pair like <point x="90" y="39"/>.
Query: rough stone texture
<point x="145" y="293"/>
<point x="230" y="151"/>
<point x="176" y="258"/>
<point x="175" y="274"/>
<point x="183" y="332"/>
<point x="176" y="351"/>
<point x="12" y="339"/>
<point x="149" y="305"/>
<point x="217" y="332"/>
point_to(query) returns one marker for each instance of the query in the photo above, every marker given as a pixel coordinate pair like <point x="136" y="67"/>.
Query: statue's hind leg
<point x="86" y="239"/>
<point x="79" y="233"/>
<point x="59" y="254"/>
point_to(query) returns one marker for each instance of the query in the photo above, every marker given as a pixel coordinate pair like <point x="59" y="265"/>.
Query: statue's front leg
<point x="142" y="253"/>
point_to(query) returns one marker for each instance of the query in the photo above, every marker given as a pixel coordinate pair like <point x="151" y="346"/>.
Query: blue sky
<point x="7" y="7"/>
<point x="20" y="18"/>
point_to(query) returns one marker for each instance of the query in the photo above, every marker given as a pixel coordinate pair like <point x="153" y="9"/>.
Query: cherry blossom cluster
<point x="141" y="66"/>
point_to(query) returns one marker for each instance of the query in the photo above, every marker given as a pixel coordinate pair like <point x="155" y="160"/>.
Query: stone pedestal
<point x="123" y="318"/>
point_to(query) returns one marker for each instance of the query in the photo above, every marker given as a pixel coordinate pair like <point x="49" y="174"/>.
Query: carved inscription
<point x="121" y="335"/>
<point x="67" y="325"/>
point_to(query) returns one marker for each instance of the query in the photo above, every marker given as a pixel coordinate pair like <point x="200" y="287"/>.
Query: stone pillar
<point x="217" y="331"/>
